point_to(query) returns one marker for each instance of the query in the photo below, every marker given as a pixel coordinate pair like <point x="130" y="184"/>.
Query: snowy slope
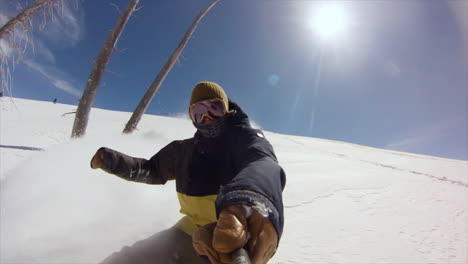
<point x="344" y="203"/>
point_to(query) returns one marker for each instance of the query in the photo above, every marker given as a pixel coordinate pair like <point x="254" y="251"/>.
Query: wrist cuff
<point x="252" y="199"/>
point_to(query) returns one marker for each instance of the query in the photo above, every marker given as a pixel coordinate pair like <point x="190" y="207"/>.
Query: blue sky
<point x="394" y="76"/>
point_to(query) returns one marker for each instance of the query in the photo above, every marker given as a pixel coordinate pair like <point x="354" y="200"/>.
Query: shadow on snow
<point x="22" y="148"/>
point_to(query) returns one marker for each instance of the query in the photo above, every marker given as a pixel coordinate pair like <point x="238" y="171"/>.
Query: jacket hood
<point x="239" y="118"/>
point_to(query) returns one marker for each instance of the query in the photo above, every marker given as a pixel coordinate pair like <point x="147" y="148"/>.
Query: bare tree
<point x="16" y="36"/>
<point x="23" y="16"/>
<point x="87" y="100"/>
<point x="153" y="89"/>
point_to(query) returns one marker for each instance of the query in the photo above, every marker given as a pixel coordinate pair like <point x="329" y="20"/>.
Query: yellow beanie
<point x="209" y="90"/>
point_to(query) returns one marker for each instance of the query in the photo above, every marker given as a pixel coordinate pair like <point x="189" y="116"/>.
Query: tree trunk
<point x="148" y="97"/>
<point x="21" y="17"/>
<point x="87" y="100"/>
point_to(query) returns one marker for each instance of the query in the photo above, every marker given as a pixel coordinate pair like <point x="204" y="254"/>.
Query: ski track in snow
<point x="337" y="192"/>
<point x="344" y="203"/>
<point x="443" y="178"/>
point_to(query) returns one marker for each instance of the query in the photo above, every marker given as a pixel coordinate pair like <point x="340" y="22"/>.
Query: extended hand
<point x="98" y="159"/>
<point x="236" y="229"/>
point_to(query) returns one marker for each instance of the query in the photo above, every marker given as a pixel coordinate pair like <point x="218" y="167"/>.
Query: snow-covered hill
<point x="344" y="203"/>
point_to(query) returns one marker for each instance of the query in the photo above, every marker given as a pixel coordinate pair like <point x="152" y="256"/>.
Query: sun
<point x="329" y="21"/>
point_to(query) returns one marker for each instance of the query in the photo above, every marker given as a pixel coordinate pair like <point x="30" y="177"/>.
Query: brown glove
<point x="232" y="231"/>
<point x="98" y="159"/>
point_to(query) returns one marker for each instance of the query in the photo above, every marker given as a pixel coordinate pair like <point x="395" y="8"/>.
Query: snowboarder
<point x="228" y="182"/>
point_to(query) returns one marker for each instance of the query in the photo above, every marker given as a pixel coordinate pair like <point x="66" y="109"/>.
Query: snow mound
<point x="344" y="203"/>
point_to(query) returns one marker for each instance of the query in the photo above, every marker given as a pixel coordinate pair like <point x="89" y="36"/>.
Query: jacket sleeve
<point x="157" y="170"/>
<point x="259" y="179"/>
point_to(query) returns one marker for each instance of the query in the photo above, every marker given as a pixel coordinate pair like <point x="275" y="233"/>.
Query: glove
<point x="98" y="159"/>
<point x="233" y="230"/>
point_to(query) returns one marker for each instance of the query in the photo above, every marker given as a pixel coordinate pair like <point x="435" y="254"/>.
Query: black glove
<point x="100" y="158"/>
<point x="113" y="162"/>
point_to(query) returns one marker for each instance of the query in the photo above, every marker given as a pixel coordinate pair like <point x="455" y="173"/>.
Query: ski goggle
<point x="207" y="108"/>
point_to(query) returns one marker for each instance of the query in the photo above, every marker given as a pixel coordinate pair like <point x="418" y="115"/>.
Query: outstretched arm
<point x="157" y="170"/>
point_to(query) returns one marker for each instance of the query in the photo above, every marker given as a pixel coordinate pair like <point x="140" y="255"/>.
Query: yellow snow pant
<point x="171" y="246"/>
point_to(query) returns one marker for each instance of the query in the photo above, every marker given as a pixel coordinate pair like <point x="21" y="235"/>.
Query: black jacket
<point x="237" y="168"/>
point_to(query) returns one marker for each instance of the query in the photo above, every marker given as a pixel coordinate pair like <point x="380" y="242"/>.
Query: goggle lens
<point x="213" y="108"/>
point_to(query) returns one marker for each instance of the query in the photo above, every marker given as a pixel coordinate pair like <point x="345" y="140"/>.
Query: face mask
<point x="212" y="130"/>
